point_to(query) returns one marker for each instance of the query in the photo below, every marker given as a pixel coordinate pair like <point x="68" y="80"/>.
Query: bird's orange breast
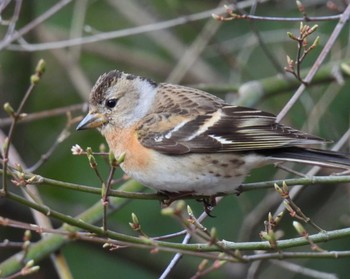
<point x="137" y="157"/>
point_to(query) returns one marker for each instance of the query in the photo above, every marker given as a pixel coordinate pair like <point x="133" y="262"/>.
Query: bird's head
<point x="118" y="100"/>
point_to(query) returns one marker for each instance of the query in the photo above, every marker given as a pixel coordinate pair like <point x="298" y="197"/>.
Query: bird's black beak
<point x="92" y="120"/>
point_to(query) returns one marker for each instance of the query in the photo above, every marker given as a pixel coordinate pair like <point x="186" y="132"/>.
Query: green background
<point x="231" y="57"/>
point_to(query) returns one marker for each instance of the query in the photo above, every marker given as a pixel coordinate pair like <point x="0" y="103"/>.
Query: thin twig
<point x="192" y="54"/>
<point x="328" y="46"/>
<point x="61" y="137"/>
<point x="40" y="19"/>
<point x="308" y="272"/>
<point x="8" y="140"/>
<point x="105" y="197"/>
<point x="178" y="256"/>
<point x="13" y="21"/>
<point x="128" y="31"/>
<point x="4" y="122"/>
<point x="174" y="261"/>
<point x="279" y="19"/>
<point x="296" y="190"/>
<point x="262" y="43"/>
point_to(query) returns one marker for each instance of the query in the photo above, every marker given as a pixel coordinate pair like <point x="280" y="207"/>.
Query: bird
<point x="181" y="140"/>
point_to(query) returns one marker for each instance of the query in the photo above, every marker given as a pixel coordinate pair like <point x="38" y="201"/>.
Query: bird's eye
<point x="111" y="103"/>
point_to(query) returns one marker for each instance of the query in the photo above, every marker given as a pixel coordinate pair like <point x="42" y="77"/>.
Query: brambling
<point x="178" y="139"/>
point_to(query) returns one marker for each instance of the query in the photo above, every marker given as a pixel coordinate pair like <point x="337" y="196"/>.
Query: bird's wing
<point x="225" y="129"/>
<point x="187" y="120"/>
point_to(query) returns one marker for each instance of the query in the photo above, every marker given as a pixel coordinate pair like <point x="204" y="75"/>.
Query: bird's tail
<point x="316" y="157"/>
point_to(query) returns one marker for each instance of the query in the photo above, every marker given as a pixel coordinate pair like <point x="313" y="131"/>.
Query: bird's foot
<point x="208" y="202"/>
<point x="173" y="196"/>
<point x="238" y="190"/>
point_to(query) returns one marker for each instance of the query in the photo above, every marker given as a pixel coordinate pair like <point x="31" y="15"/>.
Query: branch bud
<point x="134" y="218"/>
<point x="203" y="265"/>
<point x="278" y="218"/>
<point x="292" y="36"/>
<point x="312" y="29"/>
<point x="299" y="228"/>
<point x="278" y="189"/>
<point x="189" y="211"/>
<point x="300" y="6"/>
<point x="213" y="235"/>
<point x="33" y="269"/>
<point x="102" y="147"/>
<point x="168" y="211"/>
<point x="40" y="67"/>
<point x="217" y="17"/>
<point x="112" y="160"/>
<point x="29" y="264"/>
<point x="315" y="43"/>
<point x="345" y="68"/>
<point x="180" y="205"/>
<point x="285" y="188"/>
<point x="91" y="158"/>
<point x="270" y="218"/>
<point x="289" y="208"/>
<point x="9" y="109"/>
<point x="27" y="235"/>
<point x="135" y="224"/>
<point x="228" y="9"/>
<point x="121" y="158"/>
<point x="34" y="79"/>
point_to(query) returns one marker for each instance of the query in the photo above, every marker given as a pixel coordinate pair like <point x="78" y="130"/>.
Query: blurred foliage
<point x="232" y="56"/>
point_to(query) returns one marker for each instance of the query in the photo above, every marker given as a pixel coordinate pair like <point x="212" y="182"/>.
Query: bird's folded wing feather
<point x="227" y="129"/>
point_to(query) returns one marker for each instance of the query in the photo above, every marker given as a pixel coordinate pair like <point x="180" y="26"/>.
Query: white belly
<point x="203" y="174"/>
